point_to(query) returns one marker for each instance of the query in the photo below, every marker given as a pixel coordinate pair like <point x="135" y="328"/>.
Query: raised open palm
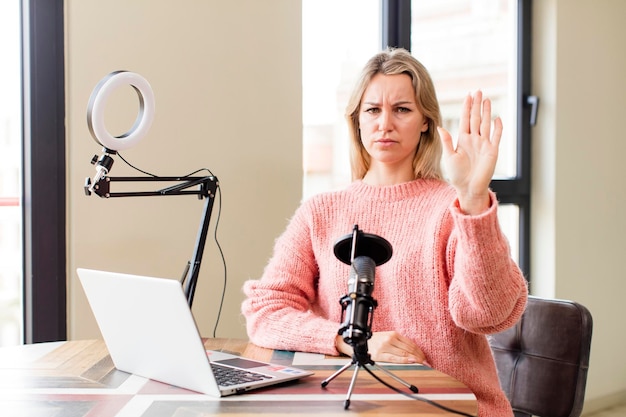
<point x="472" y="163"/>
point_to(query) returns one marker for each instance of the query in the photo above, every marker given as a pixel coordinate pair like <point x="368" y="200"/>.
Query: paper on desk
<point x="304" y="359"/>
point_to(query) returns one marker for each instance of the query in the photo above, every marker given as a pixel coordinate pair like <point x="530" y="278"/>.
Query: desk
<point x="77" y="379"/>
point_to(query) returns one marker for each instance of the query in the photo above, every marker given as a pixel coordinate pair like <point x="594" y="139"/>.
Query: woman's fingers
<point x="497" y="132"/>
<point x="475" y="115"/>
<point x="464" y="122"/>
<point x="446" y="140"/>
<point x="393" y="347"/>
<point x="485" y="123"/>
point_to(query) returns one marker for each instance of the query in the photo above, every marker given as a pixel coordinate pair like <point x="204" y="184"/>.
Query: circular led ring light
<point x="97" y="104"/>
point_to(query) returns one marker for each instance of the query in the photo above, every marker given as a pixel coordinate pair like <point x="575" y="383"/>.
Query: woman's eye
<point x="372" y="110"/>
<point x="403" y="110"/>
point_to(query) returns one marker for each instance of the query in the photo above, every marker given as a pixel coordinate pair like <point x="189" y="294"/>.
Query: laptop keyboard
<point x="227" y="376"/>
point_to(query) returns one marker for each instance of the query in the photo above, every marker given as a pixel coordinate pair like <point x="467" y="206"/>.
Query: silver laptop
<point x="149" y="331"/>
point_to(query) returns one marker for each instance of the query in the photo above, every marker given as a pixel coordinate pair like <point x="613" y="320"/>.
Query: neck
<point x="380" y="176"/>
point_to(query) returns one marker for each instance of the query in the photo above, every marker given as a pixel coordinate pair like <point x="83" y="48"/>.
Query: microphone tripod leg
<point x="357" y="367"/>
<point x="412" y="387"/>
<point x="360" y="361"/>
<point x="346" y="403"/>
<point x="336" y="374"/>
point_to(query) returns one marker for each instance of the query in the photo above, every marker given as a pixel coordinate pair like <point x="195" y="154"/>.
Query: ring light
<point x="97" y="104"/>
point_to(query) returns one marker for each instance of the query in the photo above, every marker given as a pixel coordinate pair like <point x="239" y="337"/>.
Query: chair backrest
<point x="543" y="360"/>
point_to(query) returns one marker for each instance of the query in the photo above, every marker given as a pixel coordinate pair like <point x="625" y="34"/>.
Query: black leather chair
<point x="543" y="360"/>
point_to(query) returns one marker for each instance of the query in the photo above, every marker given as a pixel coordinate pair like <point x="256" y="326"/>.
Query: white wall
<point x="578" y="222"/>
<point x="227" y="81"/>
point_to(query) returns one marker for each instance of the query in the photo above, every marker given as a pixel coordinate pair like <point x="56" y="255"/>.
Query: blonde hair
<point x="427" y="159"/>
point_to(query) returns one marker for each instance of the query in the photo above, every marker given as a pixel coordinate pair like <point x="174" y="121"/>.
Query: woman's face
<point x="390" y="122"/>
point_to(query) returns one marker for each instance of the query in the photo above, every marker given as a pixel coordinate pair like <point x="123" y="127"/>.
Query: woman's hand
<point x="388" y="347"/>
<point x="471" y="165"/>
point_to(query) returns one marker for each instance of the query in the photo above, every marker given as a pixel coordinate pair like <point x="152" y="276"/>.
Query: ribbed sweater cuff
<point x="480" y="226"/>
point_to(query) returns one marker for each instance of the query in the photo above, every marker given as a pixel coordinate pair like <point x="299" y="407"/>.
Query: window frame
<point x="396" y="32"/>
<point x="43" y="174"/>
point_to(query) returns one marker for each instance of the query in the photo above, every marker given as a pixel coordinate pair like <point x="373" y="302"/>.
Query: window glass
<point x="338" y="37"/>
<point x="468" y="45"/>
<point x="10" y="174"/>
<point x="509" y="217"/>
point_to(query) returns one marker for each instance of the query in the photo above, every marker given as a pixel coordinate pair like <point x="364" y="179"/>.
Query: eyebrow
<point x="398" y="103"/>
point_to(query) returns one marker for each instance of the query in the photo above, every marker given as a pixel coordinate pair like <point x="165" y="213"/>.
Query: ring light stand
<point x="202" y="187"/>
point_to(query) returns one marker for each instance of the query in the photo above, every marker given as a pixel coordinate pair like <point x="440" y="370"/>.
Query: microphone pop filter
<point x="372" y="246"/>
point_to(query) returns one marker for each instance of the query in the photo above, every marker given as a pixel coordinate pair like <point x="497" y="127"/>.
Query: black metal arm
<point x="206" y="189"/>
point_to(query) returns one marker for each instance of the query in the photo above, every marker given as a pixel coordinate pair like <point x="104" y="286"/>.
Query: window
<point x="10" y="173"/>
<point x="465" y="45"/>
<point x="468" y="45"/>
<point x="43" y="184"/>
<point x="338" y="37"/>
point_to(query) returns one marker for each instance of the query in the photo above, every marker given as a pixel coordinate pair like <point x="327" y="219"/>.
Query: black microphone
<point x="358" y="304"/>
<point x="363" y="252"/>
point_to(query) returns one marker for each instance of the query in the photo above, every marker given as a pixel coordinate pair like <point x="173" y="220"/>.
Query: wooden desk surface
<point x="78" y="379"/>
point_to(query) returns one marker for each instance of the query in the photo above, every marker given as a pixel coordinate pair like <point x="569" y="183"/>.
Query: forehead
<point x="390" y="87"/>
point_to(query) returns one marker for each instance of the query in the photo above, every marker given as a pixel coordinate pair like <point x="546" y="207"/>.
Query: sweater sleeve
<point x="278" y="307"/>
<point x="488" y="291"/>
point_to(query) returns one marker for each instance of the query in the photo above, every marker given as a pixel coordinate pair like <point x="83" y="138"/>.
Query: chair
<point x="543" y="360"/>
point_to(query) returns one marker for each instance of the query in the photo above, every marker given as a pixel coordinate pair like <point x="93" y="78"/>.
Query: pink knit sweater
<point x="449" y="282"/>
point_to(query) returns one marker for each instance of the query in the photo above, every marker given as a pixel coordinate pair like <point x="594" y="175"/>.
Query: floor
<point x="619" y="411"/>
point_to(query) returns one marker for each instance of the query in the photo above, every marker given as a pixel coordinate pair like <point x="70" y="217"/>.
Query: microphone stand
<point x="362" y="359"/>
<point x="207" y="187"/>
<point x="346" y="249"/>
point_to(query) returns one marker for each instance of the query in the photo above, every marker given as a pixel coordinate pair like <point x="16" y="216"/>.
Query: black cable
<point x="134" y="167"/>
<point x="217" y="221"/>
<point x="153" y="175"/>
<point x="219" y="247"/>
<point x="416" y="397"/>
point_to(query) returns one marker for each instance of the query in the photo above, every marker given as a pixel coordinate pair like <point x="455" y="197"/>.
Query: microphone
<point x="358" y="304"/>
<point x="363" y="252"/>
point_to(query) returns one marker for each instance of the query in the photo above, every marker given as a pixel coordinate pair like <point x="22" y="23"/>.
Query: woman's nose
<point x="384" y="121"/>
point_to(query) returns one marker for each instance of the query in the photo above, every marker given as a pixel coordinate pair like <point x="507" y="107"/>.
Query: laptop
<point x="149" y="330"/>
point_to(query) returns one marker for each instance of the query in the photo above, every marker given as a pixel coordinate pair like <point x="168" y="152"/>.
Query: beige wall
<point x="578" y="222"/>
<point x="226" y="76"/>
<point x="227" y="82"/>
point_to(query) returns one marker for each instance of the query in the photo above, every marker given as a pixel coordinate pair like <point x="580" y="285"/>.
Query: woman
<point x="451" y="280"/>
